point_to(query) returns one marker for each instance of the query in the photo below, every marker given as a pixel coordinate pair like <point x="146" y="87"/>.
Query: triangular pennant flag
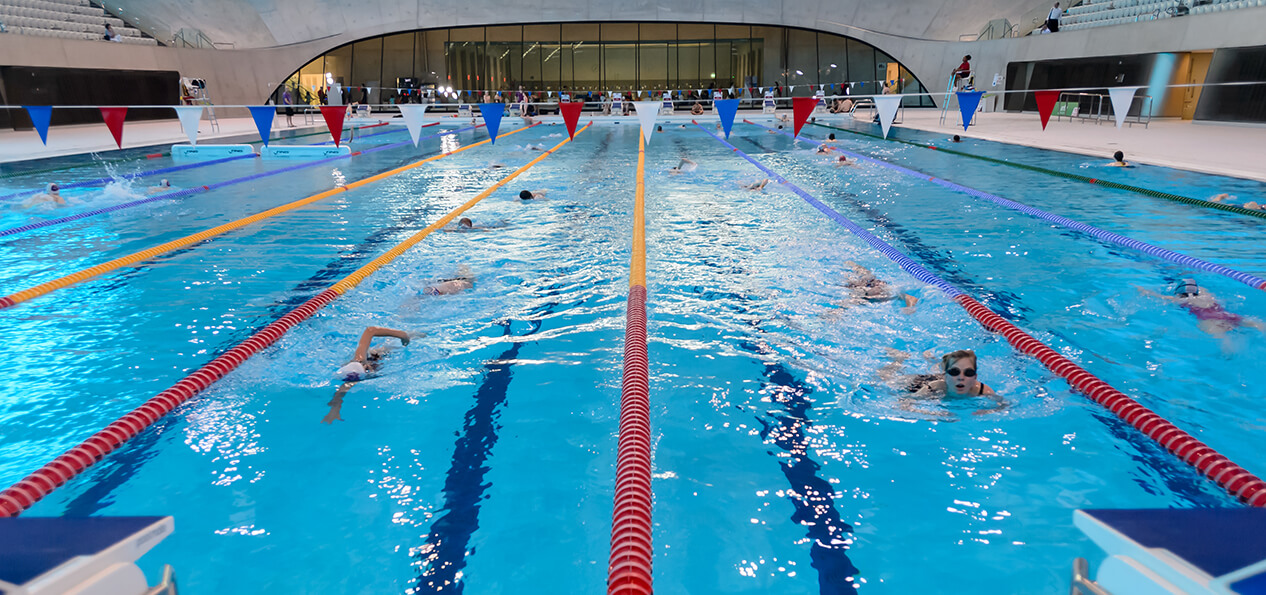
<point x="263" y="115"/>
<point x="801" y="107"/>
<point x="189" y="116"/>
<point x="550" y="93"/>
<point x="726" y="108"/>
<point x="40" y="117"/>
<point x="1045" y="105"/>
<point x="492" y="113"/>
<point x="1122" y="97"/>
<point x="646" y="112"/>
<point x="887" y="106"/>
<point x="571" y="115"/>
<point x="762" y="89"/>
<point x="333" y="115"/>
<point x="791" y="89"/>
<point x="113" y="117"/>
<point x="412" y="114"/>
<point x="967" y="102"/>
<point x="731" y="91"/>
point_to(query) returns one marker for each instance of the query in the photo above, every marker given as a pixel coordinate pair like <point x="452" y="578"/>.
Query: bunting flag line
<point x="189" y="116"/>
<point x="41" y="115"/>
<point x="967" y="102"/>
<point x="114" y="117"/>
<point x="571" y="115"/>
<point x="1122" y="97"/>
<point x="726" y="108"/>
<point x="646" y="112"/>
<point x="263" y="115"/>
<point x="801" y="107"/>
<point x="492" y="113"/>
<point x="334" y="121"/>
<point x="413" y="114"/>
<point x="1045" y="104"/>
<point x="887" y="106"/>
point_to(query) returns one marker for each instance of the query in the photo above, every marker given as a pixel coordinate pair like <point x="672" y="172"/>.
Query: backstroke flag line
<point x="189" y="116"/>
<point x="1122" y="97"/>
<point x="413" y="114"/>
<point x="887" y="106"/>
<point x="646" y="112"/>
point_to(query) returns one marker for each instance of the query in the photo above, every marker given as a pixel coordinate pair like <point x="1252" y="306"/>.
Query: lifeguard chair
<point x="820" y="107"/>
<point x="768" y="105"/>
<point x="666" y="108"/>
<point x="617" y="104"/>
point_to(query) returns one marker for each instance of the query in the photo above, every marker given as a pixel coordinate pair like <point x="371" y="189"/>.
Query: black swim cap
<point x="525" y="195"/>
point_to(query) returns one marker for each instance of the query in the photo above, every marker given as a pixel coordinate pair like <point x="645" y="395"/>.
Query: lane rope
<point x="88" y="273"/>
<point x="629" y="568"/>
<point x="1149" y="249"/>
<point x="1071" y="176"/>
<point x="1234" y="479"/>
<point x="34" y="487"/>
<point x="199" y="189"/>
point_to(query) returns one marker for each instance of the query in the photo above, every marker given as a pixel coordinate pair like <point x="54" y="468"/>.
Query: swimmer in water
<point x="956" y="139"/>
<point x="51" y="193"/>
<point x="659" y="129"/>
<point x="685" y="165"/>
<point x="822" y="150"/>
<point x="531" y="194"/>
<point x="756" y="186"/>
<point x="1118" y="160"/>
<point x="1211" y="316"/>
<point x="955" y="377"/>
<point x="865" y="288"/>
<point x="830" y="138"/>
<point x="843" y="160"/>
<point x="452" y="285"/>
<point x="164" y="185"/>
<point x="365" y="362"/>
<point x="1225" y="198"/>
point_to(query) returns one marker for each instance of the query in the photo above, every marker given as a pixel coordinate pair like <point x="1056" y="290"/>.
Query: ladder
<point x="950" y="92"/>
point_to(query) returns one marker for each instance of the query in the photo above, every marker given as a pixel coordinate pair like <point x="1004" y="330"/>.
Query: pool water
<point x="482" y="459"/>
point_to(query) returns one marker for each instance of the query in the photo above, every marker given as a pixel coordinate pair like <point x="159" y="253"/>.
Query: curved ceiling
<point x="269" y="23"/>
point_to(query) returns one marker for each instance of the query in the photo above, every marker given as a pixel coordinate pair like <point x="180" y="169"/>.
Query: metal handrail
<point x="1081" y="583"/>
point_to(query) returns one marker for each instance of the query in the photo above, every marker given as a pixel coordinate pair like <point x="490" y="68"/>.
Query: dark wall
<point x="1245" y="103"/>
<point x="21" y="85"/>
<point x="1097" y="73"/>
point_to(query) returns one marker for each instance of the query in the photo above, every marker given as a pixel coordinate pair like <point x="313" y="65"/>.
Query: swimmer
<point x="659" y="129"/>
<point x="685" y="165"/>
<point x="830" y="138"/>
<point x="1211" y="316"/>
<point x="1118" y="160"/>
<point x="452" y="285"/>
<point x="843" y="160"/>
<point x="956" y="139"/>
<point x="822" y="150"/>
<point x="365" y="362"/>
<point x="163" y="186"/>
<point x="496" y="166"/>
<point x="1251" y="205"/>
<point x="954" y="377"/>
<point x="531" y="194"/>
<point x="51" y="193"/>
<point x="756" y="186"/>
<point x="864" y="287"/>
<point x="783" y="118"/>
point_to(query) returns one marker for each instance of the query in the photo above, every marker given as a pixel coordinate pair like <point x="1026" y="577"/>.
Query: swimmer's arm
<point x="362" y="348"/>
<point x="1000" y="404"/>
<point x="336" y="404"/>
<point x="909" y="405"/>
<point x="1150" y="293"/>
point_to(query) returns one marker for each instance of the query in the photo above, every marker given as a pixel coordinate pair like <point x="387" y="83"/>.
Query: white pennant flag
<point x="791" y="89"/>
<point x="551" y="93"/>
<point x="413" y="113"/>
<point x="887" y="106"/>
<point x="646" y="112"/>
<point x="189" y="116"/>
<point x="1122" y="97"/>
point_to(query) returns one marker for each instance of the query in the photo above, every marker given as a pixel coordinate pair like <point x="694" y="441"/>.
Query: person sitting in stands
<point x="963" y="71"/>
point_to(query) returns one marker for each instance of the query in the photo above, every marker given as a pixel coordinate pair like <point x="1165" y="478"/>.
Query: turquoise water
<point x="483" y="458"/>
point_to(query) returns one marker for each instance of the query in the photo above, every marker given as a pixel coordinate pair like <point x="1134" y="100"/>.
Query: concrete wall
<point x="248" y="76"/>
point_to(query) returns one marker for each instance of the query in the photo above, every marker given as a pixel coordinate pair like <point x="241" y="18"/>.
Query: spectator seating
<point x="1102" y="13"/>
<point x="67" y="19"/>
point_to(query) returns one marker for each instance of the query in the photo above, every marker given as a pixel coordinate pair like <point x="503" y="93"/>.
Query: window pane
<point x="541" y="58"/>
<point x="338" y="64"/>
<point x="397" y="62"/>
<point x="832" y="59"/>
<point x="861" y="67"/>
<point x="688" y="65"/>
<point x="582" y="57"/>
<point x="367" y="69"/>
<point x="619" y="32"/>
<point x="802" y="60"/>
<point x="652" y="64"/>
<point x="773" y="65"/>
<point x="657" y="32"/>
<point x="311" y="77"/>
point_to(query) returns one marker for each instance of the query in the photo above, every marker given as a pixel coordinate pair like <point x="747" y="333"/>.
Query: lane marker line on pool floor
<point x="629" y="566"/>
<point x="34" y="487"/>
<point x="88" y="273"/>
<point x="1100" y="182"/>
<point x="1102" y="234"/>
<point x="1236" y="480"/>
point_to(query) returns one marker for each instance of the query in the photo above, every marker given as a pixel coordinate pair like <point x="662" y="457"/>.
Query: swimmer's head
<point x="525" y="194"/>
<point x="830" y="136"/>
<point x="465" y="222"/>
<point x="960" y="372"/>
<point x="352" y="372"/>
<point x="1186" y="288"/>
<point x="165" y="183"/>
<point x="659" y="129"/>
<point x="957" y="139"/>
<point x="780" y="126"/>
<point x="843" y="159"/>
<point x="53" y="187"/>
<point x="1119" y="156"/>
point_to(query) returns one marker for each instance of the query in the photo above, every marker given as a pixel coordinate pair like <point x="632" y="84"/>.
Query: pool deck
<point x="1223" y="149"/>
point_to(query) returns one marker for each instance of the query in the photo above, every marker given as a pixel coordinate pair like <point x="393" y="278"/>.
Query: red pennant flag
<point x="333" y="115"/>
<point x="571" y="115"/>
<point x="801" y="107"/>
<point x="113" y="117"/>
<point x="1045" y="104"/>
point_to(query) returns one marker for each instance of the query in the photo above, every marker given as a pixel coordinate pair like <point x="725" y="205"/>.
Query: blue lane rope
<point x="1178" y="257"/>
<point x="189" y="191"/>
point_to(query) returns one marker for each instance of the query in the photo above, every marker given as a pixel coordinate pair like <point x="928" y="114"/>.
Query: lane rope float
<point x="199" y="189"/>
<point x="88" y="273"/>
<point x="1071" y="176"/>
<point x="34" y="487"/>
<point x="629" y="568"/>
<point x="1149" y="249"/>
<point x="1233" y="478"/>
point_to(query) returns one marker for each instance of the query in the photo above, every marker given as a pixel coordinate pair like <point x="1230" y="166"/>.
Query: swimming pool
<point x="483" y="457"/>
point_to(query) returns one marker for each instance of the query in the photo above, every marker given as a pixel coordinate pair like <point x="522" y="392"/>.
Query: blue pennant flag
<point x="263" y="115"/>
<point x="40" y="116"/>
<point x="967" y="102"/>
<point x="492" y="113"/>
<point x="726" y="108"/>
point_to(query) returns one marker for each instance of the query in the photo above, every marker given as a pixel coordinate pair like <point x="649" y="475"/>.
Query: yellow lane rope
<point x="637" y="268"/>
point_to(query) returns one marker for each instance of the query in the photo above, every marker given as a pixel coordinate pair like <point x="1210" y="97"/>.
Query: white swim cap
<point x="52" y="187"/>
<point x="351" y="372"/>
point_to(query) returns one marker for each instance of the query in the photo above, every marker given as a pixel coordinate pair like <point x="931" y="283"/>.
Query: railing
<point x="1097" y="107"/>
<point x="192" y="38"/>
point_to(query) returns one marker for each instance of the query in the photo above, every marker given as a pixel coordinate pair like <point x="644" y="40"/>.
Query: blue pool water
<point x="483" y="458"/>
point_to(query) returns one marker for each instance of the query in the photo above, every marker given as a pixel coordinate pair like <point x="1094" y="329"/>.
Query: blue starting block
<point x="1197" y="551"/>
<point x="43" y="556"/>
<point x="197" y="152"/>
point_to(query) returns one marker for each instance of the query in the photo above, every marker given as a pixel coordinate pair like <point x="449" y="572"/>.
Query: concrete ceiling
<point x="245" y="24"/>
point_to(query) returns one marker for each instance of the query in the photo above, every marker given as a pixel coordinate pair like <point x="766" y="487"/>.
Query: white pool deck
<point x="1225" y="149"/>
